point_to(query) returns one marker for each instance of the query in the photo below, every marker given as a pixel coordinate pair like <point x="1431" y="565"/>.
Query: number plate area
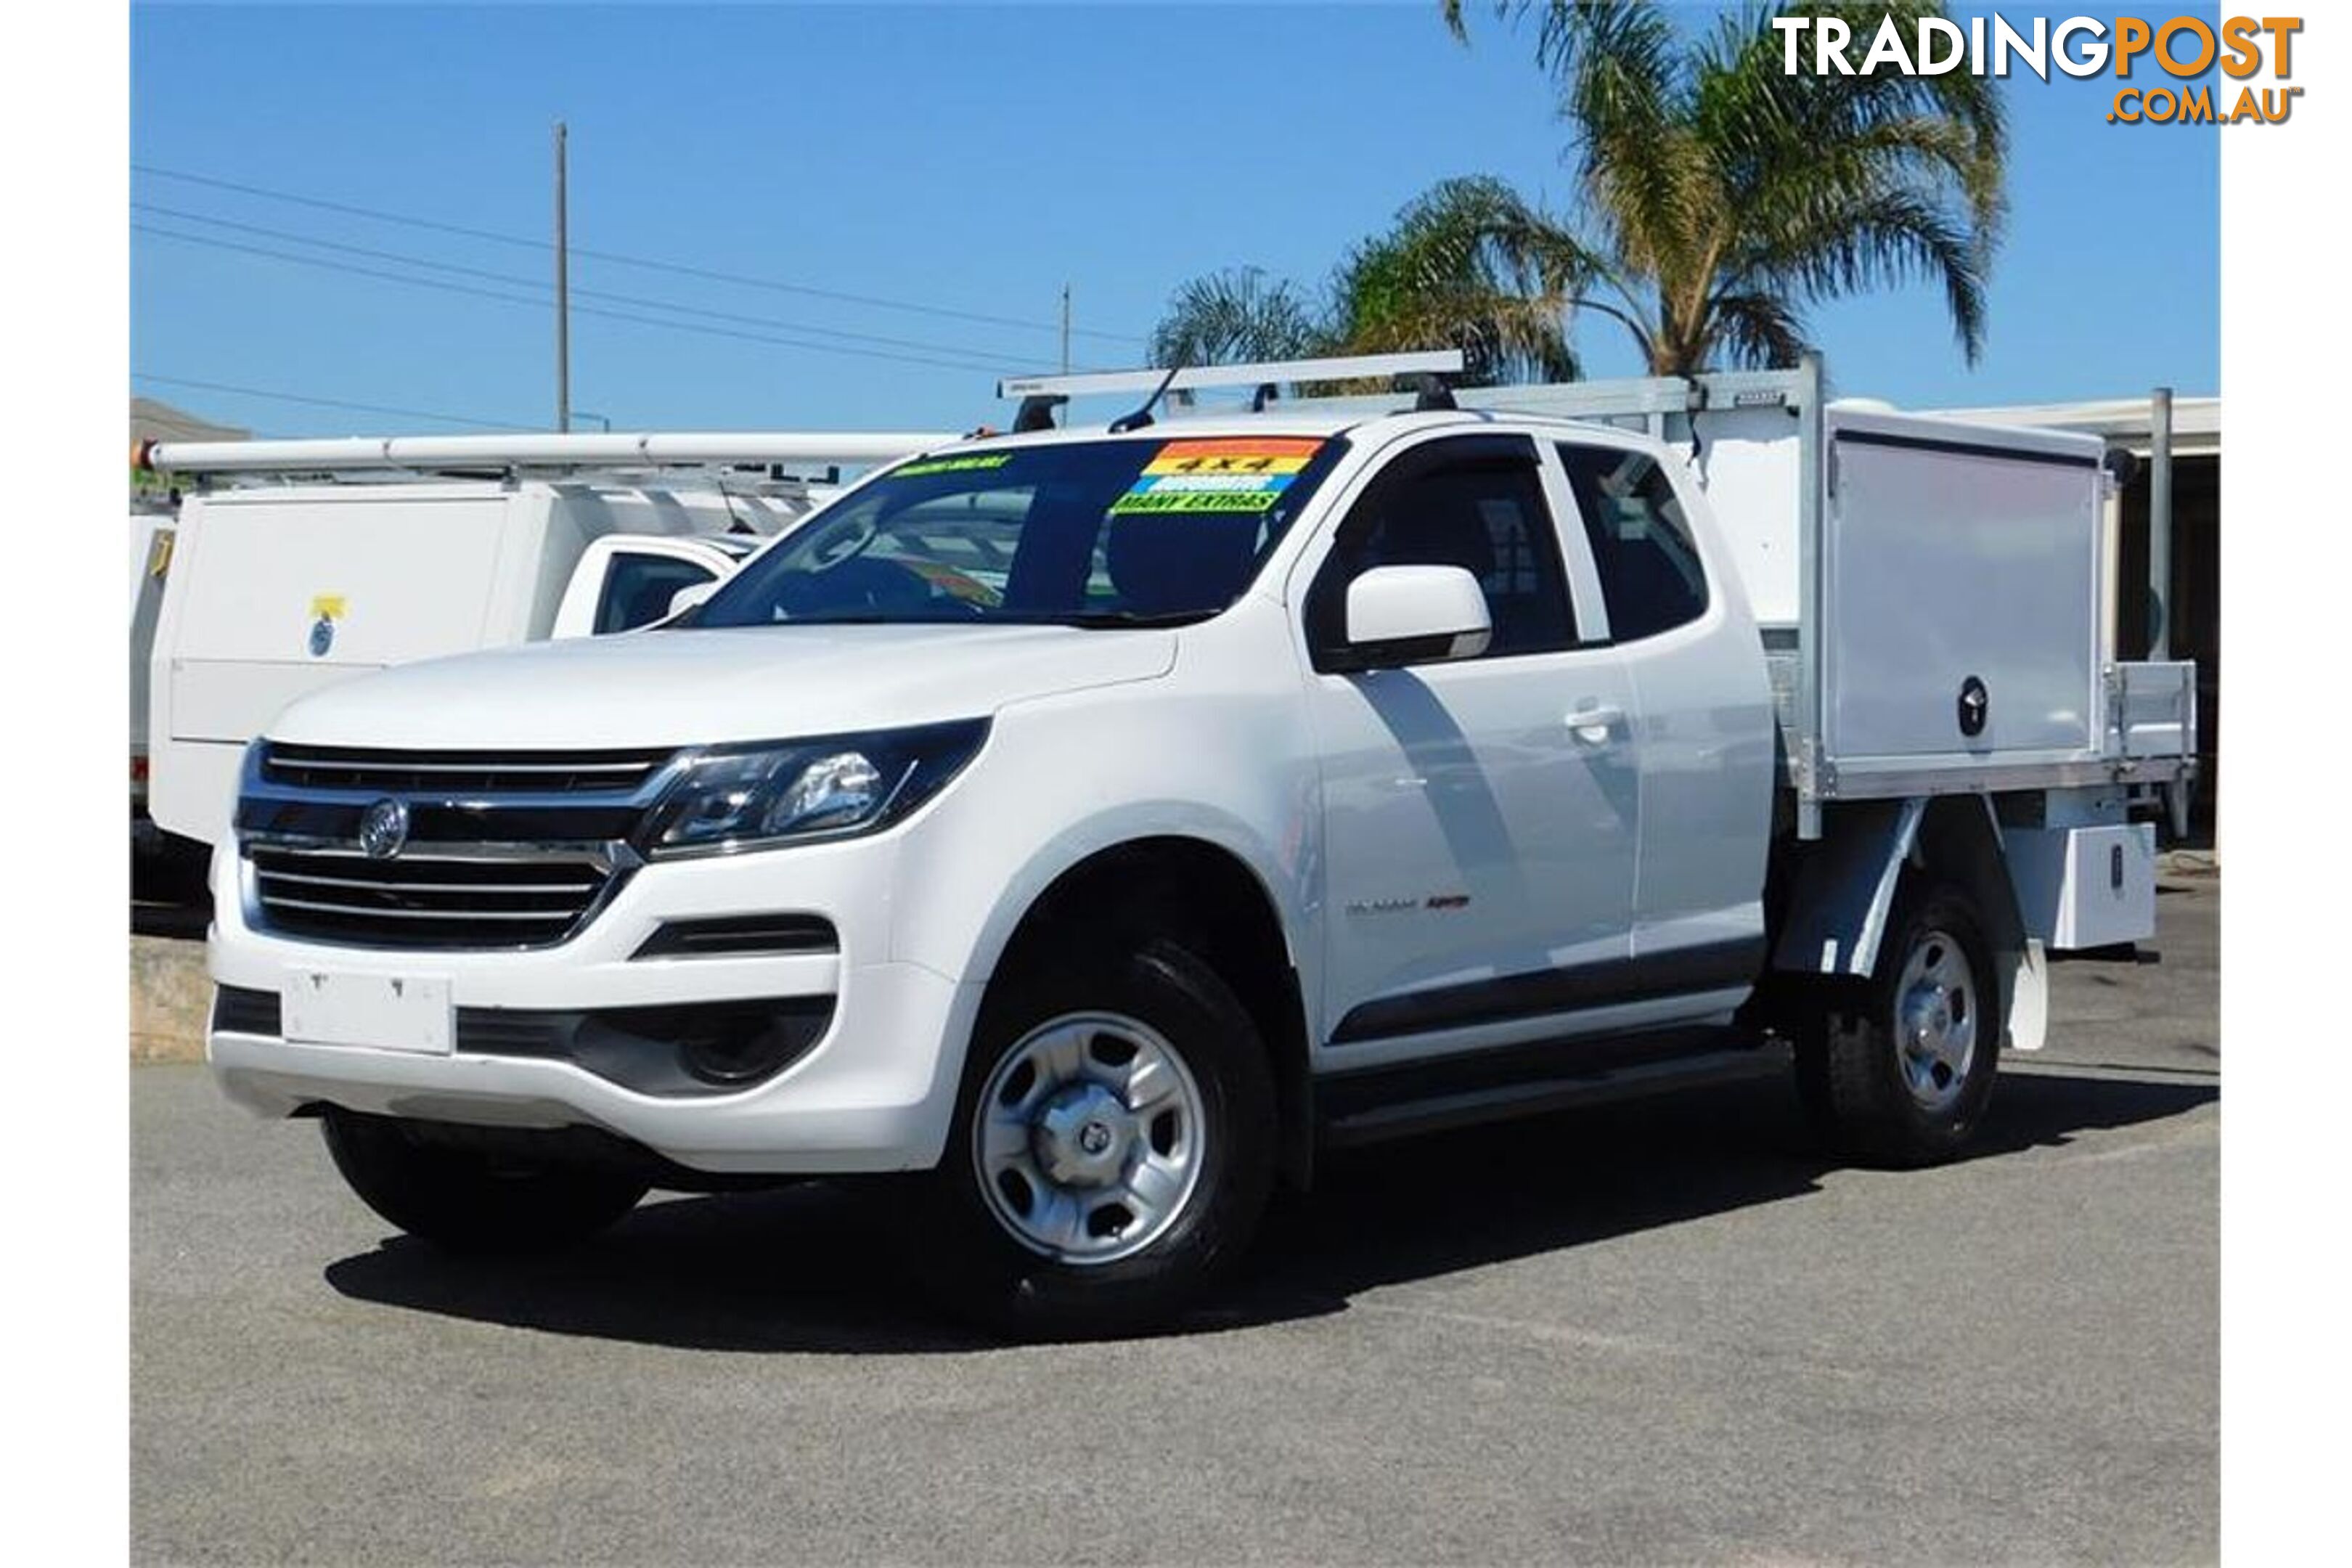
<point x="388" y="1012"/>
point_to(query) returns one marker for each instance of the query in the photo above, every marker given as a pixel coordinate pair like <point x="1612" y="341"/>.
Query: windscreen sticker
<point x="1247" y="455"/>
<point x="1134" y="501"/>
<point x="1163" y="483"/>
<point x="1243" y="475"/>
<point x="974" y="462"/>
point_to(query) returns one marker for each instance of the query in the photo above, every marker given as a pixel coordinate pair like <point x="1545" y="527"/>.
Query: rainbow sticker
<point x="1246" y="474"/>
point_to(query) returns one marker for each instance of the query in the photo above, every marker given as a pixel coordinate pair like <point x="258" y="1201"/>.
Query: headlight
<point x="748" y="797"/>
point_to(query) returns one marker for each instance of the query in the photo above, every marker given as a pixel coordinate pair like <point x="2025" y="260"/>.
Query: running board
<point x="1426" y="1112"/>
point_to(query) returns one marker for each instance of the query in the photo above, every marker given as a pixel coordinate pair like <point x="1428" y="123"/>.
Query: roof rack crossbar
<point x="1292" y="372"/>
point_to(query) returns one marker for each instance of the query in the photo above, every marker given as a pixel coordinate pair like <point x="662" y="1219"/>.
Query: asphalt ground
<point x="1657" y="1333"/>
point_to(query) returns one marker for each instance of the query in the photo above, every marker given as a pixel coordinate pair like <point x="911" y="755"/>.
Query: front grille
<point x="500" y="850"/>
<point x="459" y="773"/>
<point x="418" y="899"/>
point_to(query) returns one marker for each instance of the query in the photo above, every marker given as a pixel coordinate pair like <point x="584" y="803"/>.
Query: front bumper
<point x="875" y="1093"/>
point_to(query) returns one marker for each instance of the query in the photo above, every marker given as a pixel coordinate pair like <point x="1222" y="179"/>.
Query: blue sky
<point x="967" y="158"/>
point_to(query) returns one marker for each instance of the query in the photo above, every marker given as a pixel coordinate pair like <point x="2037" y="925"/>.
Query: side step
<point x="1430" y="1097"/>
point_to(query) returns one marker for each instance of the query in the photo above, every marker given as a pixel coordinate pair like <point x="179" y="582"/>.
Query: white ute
<point x="1101" y="822"/>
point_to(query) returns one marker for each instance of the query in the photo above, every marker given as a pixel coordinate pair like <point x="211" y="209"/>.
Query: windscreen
<point x="1123" y="531"/>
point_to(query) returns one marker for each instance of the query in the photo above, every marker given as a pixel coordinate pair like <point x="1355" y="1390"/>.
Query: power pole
<point x="2159" y="524"/>
<point x="562" y="294"/>
<point x="1066" y="328"/>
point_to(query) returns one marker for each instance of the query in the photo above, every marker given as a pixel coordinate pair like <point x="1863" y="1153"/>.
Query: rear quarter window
<point x="1652" y="579"/>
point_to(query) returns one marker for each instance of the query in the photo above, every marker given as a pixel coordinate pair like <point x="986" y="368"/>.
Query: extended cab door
<point x="1704" y="735"/>
<point x="1480" y="815"/>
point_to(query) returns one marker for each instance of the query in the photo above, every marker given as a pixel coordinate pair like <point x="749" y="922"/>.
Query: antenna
<point x="1142" y="417"/>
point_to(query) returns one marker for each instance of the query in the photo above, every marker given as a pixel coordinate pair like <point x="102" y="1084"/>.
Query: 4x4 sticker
<point x="1246" y="474"/>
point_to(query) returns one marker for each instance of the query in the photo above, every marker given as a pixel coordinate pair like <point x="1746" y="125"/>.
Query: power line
<point x="180" y="216"/>
<point x="538" y="303"/>
<point x="620" y="258"/>
<point x="323" y="402"/>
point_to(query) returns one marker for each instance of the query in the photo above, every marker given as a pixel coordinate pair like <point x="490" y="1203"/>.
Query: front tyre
<point x="1897" y="1070"/>
<point x="471" y="1200"/>
<point x="1112" y="1153"/>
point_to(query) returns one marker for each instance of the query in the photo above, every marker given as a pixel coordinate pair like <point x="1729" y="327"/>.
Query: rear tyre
<point x="1112" y="1153"/>
<point x="468" y="1200"/>
<point x="1898" y="1070"/>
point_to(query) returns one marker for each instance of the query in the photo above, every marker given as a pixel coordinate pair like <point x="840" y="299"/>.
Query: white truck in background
<point x="301" y="563"/>
<point x="153" y="532"/>
<point x="1092" y="825"/>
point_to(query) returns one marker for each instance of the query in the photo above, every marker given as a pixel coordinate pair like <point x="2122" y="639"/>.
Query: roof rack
<point x="1041" y="395"/>
<point x="430" y="454"/>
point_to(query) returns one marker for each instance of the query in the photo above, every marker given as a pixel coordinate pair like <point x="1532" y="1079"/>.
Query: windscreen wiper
<point x="1099" y="619"/>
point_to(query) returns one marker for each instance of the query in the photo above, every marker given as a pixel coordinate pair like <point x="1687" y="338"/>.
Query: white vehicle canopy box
<point x="1931" y="594"/>
<point x="1930" y="591"/>
<point x="281" y="588"/>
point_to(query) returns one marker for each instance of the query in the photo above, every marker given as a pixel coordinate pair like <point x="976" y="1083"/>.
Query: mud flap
<point x="2025" y="981"/>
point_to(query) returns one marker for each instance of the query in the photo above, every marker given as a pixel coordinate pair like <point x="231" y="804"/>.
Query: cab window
<point x="1651" y="579"/>
<point x="638" y="589"/>
<point x="1472" y="501"/>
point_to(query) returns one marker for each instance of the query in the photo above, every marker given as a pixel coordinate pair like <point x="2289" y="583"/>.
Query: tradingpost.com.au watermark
<point x="2184" y="48"/>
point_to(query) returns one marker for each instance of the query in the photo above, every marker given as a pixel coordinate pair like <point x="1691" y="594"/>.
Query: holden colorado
<point x="1088" y="827"/>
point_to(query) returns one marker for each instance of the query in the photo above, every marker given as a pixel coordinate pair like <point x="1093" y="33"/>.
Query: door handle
<point x="1594" y="721"/>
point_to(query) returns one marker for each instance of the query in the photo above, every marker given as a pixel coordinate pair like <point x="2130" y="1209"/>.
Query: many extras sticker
<point x="1243" y="474"/>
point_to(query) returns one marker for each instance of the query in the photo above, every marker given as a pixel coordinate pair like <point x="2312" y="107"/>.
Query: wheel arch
<point x="1840" y="891"/>
<point x="1211" y="901"/>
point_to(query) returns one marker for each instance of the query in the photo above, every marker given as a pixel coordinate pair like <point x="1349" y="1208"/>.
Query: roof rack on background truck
<point x="529" y="453"/>
<point x="301" y="563"/>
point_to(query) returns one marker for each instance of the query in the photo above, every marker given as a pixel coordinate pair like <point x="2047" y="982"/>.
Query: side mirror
<point x="690" y="595"/>
<point x="1415" y="614"/>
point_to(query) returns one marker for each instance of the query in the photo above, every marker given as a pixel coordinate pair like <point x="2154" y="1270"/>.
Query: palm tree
<point x="1467" y="265"/>
<point x="1723" y="196"/>
<point x="1237" y="316"/>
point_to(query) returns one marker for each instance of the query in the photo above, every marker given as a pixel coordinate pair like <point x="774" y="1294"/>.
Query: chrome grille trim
<point x="330" y="770"/>
<point x="479" y="870"/>
<point x="604" y="854"/>
<point x="377" y="913"/>
<point x="333" y="882"/>
<point x="488" y="896"/>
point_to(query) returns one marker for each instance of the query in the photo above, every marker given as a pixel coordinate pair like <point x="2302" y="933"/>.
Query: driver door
<point x="1480" y="815"/>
